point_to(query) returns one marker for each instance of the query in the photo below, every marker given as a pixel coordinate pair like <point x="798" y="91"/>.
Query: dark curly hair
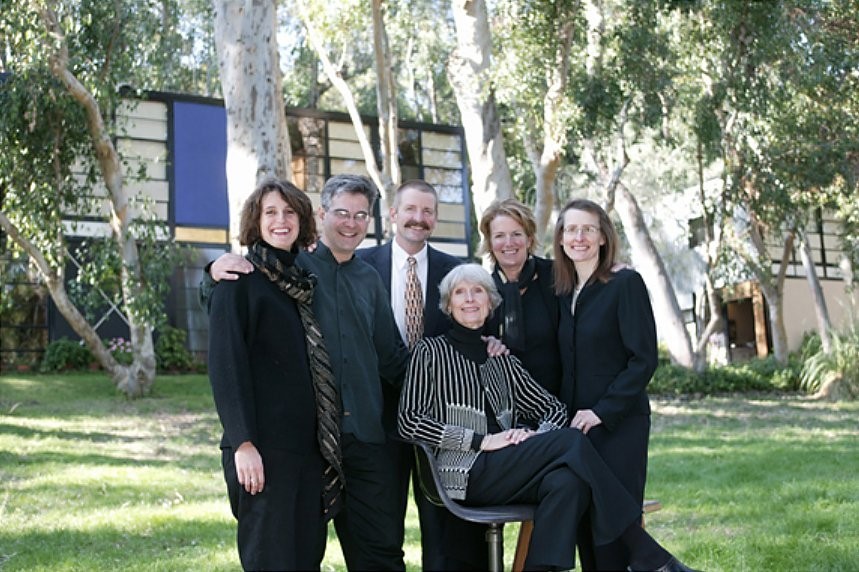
<point x="249" y="231"/>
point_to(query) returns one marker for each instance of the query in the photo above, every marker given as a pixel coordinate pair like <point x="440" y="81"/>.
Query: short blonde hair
<point x="512" y="208"/>
<point x="473" y="273"/>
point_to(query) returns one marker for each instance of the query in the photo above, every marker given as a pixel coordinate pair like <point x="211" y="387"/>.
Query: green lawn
<point x="91" y="481"/>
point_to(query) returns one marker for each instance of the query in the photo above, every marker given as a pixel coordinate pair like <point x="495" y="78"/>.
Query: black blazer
<point x="258" y="367"/>
<point x="439" y="264"/>
<point x="608" y="348"/>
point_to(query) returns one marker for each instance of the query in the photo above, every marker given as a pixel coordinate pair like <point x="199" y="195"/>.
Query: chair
<point x="493" y="516"/>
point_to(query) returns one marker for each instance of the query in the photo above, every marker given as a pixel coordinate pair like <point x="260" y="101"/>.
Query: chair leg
<point x="494" y="543"/>
<point x="522" y="545"/>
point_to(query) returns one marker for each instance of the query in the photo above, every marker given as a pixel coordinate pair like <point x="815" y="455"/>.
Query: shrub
<point x="170" y="351"/>
<point x="835" y="374"/>
<point x="754" y="375"/>
<point x="65" y="354"/>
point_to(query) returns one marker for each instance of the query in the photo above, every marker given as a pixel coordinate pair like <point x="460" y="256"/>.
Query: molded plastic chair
<point x="493" y="516"/>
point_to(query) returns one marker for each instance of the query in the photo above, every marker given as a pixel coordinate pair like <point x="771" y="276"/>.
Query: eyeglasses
<point x="588" y="230"/>
<point x="344" y="215"/>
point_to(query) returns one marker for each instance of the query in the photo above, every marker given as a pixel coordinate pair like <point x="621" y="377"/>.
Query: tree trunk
<point x="546" y="159"/>
<point x="545" y="166"/>
<point x="712" y="244"/>
<point x="333" y="75"/>
<point x="257" y="132"/>
<point x="821" y="313"/>
<point x="386" y="97"/>
<point x="773" y="286"/>
<point x="134" y="380"/>
<point x="468" y="70"/>
<point x="649" y="263"/>
<point x="138" y="378"/>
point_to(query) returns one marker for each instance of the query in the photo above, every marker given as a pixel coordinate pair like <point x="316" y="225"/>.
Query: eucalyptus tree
<point x="470" y="74"/>
<point x="422" y="37"/>
<point x="328" y="30"/>
<point x="532" y="71"/>
<point x="257" y="133"/>
<point x="59" y="161"/>
<point x="785" y="79"/>
<point x="619" y="92"/>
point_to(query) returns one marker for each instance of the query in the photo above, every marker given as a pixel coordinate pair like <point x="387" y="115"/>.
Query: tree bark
<point x="546" y="157"/>
<point x="468" y="70"/>
<point x="773" y="286"/>
<point x="671" y="326"/>
<point x="137" y="379"/>
<point x="821" y="313"/>
<point x="257" y="132"/>
<point x="386" y="97"/>
<point x="711" y="248"/>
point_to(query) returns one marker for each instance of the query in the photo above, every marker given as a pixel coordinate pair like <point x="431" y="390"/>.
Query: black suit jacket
<point x="608" y="349"/>
<point x="439" y="264"/>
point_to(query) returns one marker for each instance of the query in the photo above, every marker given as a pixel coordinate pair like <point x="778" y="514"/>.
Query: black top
<point x="541" y="316"/>
<point x="468" y="342"/>
<point x="258" y="366"/>
<point x="608" y="348"/>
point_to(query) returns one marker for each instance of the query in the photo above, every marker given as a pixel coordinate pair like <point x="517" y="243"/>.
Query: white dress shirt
<point x="399" y="267"/>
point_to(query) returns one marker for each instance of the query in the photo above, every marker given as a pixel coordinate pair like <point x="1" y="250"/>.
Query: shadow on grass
<point x="165" y="544"/>
<point x="148" y="458"/>
<point x="79" y="436"/>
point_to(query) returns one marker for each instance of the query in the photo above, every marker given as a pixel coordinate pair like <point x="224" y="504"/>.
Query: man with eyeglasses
<point x="366" y="350"/>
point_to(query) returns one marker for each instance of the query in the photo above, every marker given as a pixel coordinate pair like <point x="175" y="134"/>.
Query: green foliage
<point x="64" y="355"/>
<point x="840" y="366"/>
<point x="67" y="355"/>
<point x="758" y="374"/>
<point x="171" y="351"/>
<point x="48" y="172"/>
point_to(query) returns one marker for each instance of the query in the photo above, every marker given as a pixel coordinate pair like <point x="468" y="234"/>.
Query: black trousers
<point x="563" y="475"/>
<point x="624" y="450"/>
<point x="282" y="527"/>
<point x="368" y="525"/>
<point x="447" y="542"/>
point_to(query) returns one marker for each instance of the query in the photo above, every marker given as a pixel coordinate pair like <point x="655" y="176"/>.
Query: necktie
<point x="414" y="304"/>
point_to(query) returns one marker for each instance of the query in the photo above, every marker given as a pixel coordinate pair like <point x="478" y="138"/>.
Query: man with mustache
<point x="447" y="543"/>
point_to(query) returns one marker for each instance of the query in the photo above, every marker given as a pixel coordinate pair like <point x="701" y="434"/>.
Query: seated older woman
<point x="469" y="407"/>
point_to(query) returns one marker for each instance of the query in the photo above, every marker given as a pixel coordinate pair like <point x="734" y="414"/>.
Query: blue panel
<point x="199" y="165"/>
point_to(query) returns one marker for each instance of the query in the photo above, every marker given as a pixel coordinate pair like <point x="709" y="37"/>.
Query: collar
<point x="399" y="257"/>
<point x="323" y="252"/>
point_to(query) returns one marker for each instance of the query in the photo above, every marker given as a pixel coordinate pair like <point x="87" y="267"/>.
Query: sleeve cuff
<point x="476" y="441"/>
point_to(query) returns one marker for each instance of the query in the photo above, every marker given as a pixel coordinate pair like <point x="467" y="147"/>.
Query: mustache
<point x="415" y="224"/>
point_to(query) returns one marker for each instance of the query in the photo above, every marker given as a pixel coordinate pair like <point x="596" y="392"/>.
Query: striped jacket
<point x="443" y="404"/>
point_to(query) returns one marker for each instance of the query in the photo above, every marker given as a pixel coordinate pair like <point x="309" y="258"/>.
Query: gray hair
<point x="473" y="273"/>
<point x="353" y="184"/>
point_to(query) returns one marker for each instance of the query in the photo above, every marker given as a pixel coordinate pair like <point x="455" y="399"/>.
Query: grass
<point x="91" y="481"/>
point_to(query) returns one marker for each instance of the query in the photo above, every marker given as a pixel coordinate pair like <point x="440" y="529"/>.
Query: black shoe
<point x="675" y="565"/>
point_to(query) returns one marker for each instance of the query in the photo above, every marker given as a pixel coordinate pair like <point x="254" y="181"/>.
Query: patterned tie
<point x="414" y="304"/>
